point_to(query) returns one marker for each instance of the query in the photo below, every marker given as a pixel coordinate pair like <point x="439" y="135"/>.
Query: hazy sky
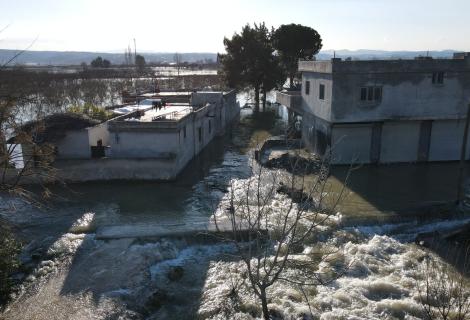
<point x="200" y="25"/>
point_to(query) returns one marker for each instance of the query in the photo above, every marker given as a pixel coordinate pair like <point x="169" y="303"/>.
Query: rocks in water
<point x="298" y="165"/>
<point x="175" y="273"/>
<point x="156" y="300"/>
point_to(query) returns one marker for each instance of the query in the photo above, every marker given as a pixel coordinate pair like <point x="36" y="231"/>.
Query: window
<point x="210" y="126"/>
<point x="200" y="134"/>
<point x="378" y="93"/>
<point x="438" y="78"/>
<point x="307" y="87"/>
<point x="184" y="132"/>
<point x="373" y="94"/>
<point x="322" y="92"/>
<point x="363" y="94"/>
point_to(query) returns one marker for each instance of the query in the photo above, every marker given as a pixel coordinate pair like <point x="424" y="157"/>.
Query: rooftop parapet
<point x="460" y="63"/>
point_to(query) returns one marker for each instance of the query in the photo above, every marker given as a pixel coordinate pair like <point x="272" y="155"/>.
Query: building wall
<point x="231" y="107"/>
<point x="446" y="140"/>
<point x="351" y="143"/>
<point x="311" y="102"/>
<point x="316" y="134"/>
<point x="186" y="146"/>
<point x="99" y="132"/>
<point x="404" y="96"/>
<point x="75" y="145"/>
<point x="400" y="141"/>
<point x="144" y="144"/>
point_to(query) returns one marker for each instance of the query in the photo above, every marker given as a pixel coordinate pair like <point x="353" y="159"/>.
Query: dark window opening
<point x="200" y="134"/>
<point x="363" y="94"/>
<point x="322" y="92"/>
<point x="438" y="78"/>
<point x="378" y="93"/>
<point x="307" y="87"/>
<point x="321" y="142"/>
<point x="371" y="94"/>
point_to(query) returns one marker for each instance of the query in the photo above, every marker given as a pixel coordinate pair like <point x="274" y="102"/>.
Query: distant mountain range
<point x="75" y="58"/>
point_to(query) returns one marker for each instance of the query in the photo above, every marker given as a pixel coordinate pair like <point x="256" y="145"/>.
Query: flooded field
<point x="74" y="275"/>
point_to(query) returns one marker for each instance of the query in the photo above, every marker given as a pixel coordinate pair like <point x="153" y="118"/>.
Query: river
<point x="75" y="275"/>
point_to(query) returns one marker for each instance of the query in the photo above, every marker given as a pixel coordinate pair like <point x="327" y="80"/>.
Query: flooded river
<point x="74" y="275"/>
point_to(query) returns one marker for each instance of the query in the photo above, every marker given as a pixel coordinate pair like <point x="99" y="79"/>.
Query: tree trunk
<point x="256" y="98"/>
<point x="264" y="303"/>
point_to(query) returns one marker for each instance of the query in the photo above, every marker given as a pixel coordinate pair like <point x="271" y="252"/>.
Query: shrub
<point x="9" y="250"/>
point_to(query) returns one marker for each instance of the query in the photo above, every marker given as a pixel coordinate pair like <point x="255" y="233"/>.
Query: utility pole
<point x="135" y="50"/>
<point x="463" y="153"/>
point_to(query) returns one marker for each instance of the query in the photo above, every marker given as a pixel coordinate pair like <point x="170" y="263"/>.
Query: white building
<point x="154" y="142"/>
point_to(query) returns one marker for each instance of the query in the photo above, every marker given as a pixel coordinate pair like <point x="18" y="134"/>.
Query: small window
<point x="438" y="78"/>
<point x="322" y="92"/>
<point x="210" y="126"/>
<point x="307" y="87"/>
<point x="373" y="94"/>
<point x="184" y="132"/>
<point x="200" y="134"/>
<point x="363" y="94"/>
<point x="378" y="93"/>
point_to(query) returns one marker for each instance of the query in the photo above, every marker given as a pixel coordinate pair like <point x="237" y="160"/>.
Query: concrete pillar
<point x="375" y="142"/>
<point x="424" y="140"/>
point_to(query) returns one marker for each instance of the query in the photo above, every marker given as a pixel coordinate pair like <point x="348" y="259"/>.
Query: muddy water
<point x="73" y="275"/>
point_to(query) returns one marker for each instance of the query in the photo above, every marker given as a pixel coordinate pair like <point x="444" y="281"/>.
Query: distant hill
<point x="75" y="57"/>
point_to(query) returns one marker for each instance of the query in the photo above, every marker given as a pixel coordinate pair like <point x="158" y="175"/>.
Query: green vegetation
<point x="100" y="63"/>
<point x="9" y="250"/>
<point x="140" y="62"/>
<point x="91" y="111"/>
<point x="250" y="62"/>
<point x="294" y="42"/>
<point x="261" y="59"/>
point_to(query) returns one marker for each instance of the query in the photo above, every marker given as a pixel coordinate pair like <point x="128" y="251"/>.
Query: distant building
<point x="383" y="111"/>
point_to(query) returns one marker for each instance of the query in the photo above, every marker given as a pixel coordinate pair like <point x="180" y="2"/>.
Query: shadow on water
<point x="399" y="189"/>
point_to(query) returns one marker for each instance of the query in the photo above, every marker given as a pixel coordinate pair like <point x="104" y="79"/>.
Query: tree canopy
<point x="100" y="63"/>
<point x="250" y="61"/>
<point x="140" y="62"/>
<point x="294" y="42"/>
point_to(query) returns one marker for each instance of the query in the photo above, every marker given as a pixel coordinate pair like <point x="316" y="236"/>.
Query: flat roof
<point x="170" y="112"/>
